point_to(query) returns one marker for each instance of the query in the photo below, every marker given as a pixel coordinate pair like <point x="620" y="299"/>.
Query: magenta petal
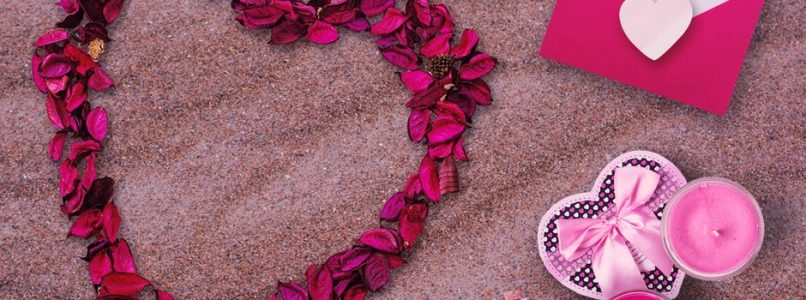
<point x="100" y="265"/>
<point x="401" y="56"/>
<point x="320" y="284"/>
<point x="122" y="256"/>
<point x="81" y="148"/>
<point x="440" y="150"/>
<point x="459" y="149"/>
<point x="262" y="16"/>
<point x="372" y="8"/>
<point x="292" y="291"/>
<point x="38" y="80"/>
<point x="422" y="10"/>
<point x="322" y="33"/>
<point x="89" y="174"/>
<point x="381" y="239"/>
<point x="52" y="37"/>
<point x="447" y="20"/>
<point x="85" y="224"/>
<point x="56" y="112"/>
<point x="450" y="110"/>
<point x="444" y="130"/>
<point x="392" y="207"/>
<point x="97" y="123"/>
<point x="68" y="174"/>
<point x="55" y="65"/>
<point x="418" y="124"/>
<point x="99" y="81"/>
<point x="356" y="292"/>
<point x="377" y="272"/>
<point x="354" y="258"/>
<point x="76" y="96"/>
<point x="416" y="81"/>
<point x="448" y="177"/>
<point x="429" y="178"/>
<point x="478" y="66"/>
<point x="112" y="10"/>
<point x="476" y="90"/>
<point x="70" y="6"/>
<point x="426" y="98"/>
<point x="111" y="221"/>
<point x="56" y="146"/>
<point x="440" y="44"/>
<point x="469" y="40"/>
<point x="287" y="32"/>
<point x="390" y="22"/>
<point x="56" y="85"/>
<point x="163" y="295"/>
<point x="412" y="222"/>
<point x="357" y="24"/>
<point x="413" y="187"/>
<point x="117" y="283"/>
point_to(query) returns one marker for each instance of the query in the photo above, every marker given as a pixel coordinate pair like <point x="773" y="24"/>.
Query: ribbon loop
<point x="613" y="263"/>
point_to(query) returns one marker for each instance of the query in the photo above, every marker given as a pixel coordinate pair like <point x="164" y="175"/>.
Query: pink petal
<point x="392" y="207"/>
<point x="97" y="123"/>
<point x="112" y="10"/>
<point x="354" y="258"/>
<point x="122" y="256"/>
<point x="262" y="16"/>
<point x="124" y="283"/>
<point x="412" y="222"/>
<point x="357" y="24"/>
<point x="448" y="177"/>
<point x="476" y="90"/>
<point x="70" y="6"/>
<point x="429" y="178"/>
<point x="381" y="239"/>
<point x="163" y="295"/>
<point x="68" y="174"/>
<point x="322" y="33"/>
<point x="111" y="221"/>
<point x="443" y="130"/>
<point x="343" y="284"/>
<point x="56" y="146"/>
<point x="469" y="40"/>
<point x="86" y="224"/>
<point x="395" y="261"/>
<point x="390" y="22"/>
<point x="450" y="110"/>
<point x="377" y="272"/>
<point x="440" y="44"/>
<point x="57" y="113"/>
<point x="100" y="265"/>
<point x="440" y="150"/>
<point x="38" y="80"/>
<point x="413" y="187"/>
<point x="292" y="291"/>
<point x="372" y="8"/>
<point x="81" y="148"/>
<point x="99" y="81"/>
<point x="447" y="21"/>
<point x="459" y="149"/>
<point x="76" y="96"/>
<point x="356" y="292"/>
<point x="320" y="284"/>
<point x="55" y="65"/>
<point x="52" y="37"/>
<point x="401" y="56"/>
<point x="422" y="10"/>
<point x="74" y="204"/>
<point x="478" y="66"/>
<point x="89" y="173"/>
<point x="418" y="124"/>
<point x="426" y="98"/>
<point x="416" y="81"/>
<point x="85" y="62"/>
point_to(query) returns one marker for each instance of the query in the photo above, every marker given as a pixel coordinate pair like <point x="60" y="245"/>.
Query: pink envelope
<point x="699" y="70"/>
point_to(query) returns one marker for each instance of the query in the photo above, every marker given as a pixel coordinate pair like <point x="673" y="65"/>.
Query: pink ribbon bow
<point x="613" y="264"/>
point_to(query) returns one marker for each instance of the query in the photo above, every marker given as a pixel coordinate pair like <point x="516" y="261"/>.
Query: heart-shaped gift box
<point x="600" y="205"/>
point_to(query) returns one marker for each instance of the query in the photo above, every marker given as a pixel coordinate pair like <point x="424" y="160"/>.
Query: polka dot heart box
<point x="607" y="241"/>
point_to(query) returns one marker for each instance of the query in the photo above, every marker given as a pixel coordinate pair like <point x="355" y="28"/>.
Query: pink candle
<point x="639" y="295"/>
<point x="712" y="228"/>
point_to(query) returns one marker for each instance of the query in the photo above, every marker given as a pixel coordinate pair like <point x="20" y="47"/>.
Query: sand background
<point x="239" y="163"/>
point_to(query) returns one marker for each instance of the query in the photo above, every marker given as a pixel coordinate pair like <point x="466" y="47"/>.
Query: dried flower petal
<point x="416" y="81"/>
<point x="421" y="9"/>
<point x="426" y="98"/>
<point x="163" y="295"/>
<point x="469" y="40"/>
<point x="372" y="8"/>
<point x="57" y="113"/>
<point x="381" y="239"/>
<point x="86" y="224"/>
<point x="412" y="187"/>
<point x="38" y="80"/>
<point x="84" y="60"/>
<point x="459" y="149"/>
<point x="390" y="22"/>
<point x="287" y="32"/>
<point x="99" y="193"/>
<point x="395" y="261"/>
<point x="418" y="124"/>
<point x="79" y="149"/>
<point x="122" y="257"/>
<point x="322" y="33"/>
<point x="89" y="174"/>
<point x="450" y="110"/>
<point x="443" y="130"/>
<point x="439" y="151"/>
<point x="438" y="45"/>
<point x="377" y="272"/>
<point x="356" y="292"/>
<point x="68" y="174"/>
<point x="55" y="65"/>
<point x="478" y="66"/>
<point x="354" y="258"/>
<point x="320" y="283"/>
<point x="99" y="81"/>
<point x="401" y="56"/>
<point x="70" y="6"/>
<point x="123" y="283"/>
<point x="292" y="291"/>
<point x="97" y="124"/>
<point x="392" y="207"/>
<point x="52" y="37"/>
<point x="111" y="221"/>
<point x="100" y="265"/>
<point x="357" y="24"/>
<point x="76" y="96"/>
<point x="412" y="222"/>
<point x="448" y="177"/>
<point x="429" y="178"/>
<point x="112" y="10"/>
<point x="476" y="90"/>
<point x="56" y="146"/>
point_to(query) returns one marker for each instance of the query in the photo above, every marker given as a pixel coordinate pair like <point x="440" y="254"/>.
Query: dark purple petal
<point x="56" y="146"/>
<point x="372" y="8"/>
<point x="377" y="272"/>
<point x="478" y="66"/>
<point x="381" y="239"/>
<point x="390" y="22"/>
<point x="392" y="207"/>
<point x="292" y="291"/>
<point x="52" y="37"/>
<point x="401" y="56"/>
<point x="287" y="32"/>
<point x="112" y="10"/>
<point x="444" y="130"/>
<point x="99" y="81"/>
<point x="123" y="283"/>
<point x="55" y="65"/>
<point x="100" y="265"/>
<point x="97" y="123"/>
<point x="440" y="44"/>
<point x="72" y="20"/>
<point x="418" y="124"/>
<point x="412" y="222"/>
<point x="99" y="193"/>
<point x="322" y="33"/>
<point x="262" y="16"/>
<point x="429" y="178"/>
<point x="416" y="81"/>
